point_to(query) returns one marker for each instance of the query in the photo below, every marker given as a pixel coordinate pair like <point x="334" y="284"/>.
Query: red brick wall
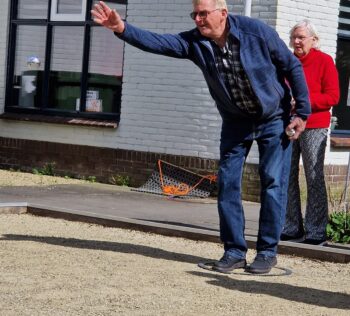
<point x="85" y="161"/>
<point x="335" y="176"/>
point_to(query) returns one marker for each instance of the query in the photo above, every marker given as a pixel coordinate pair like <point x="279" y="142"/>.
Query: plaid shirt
<point x="229" y="65"/>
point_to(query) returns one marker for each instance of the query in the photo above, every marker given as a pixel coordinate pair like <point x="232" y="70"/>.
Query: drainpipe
<point x="247" y="7"/>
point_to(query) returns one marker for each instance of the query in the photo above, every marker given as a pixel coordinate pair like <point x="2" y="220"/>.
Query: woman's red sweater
<point x="322" y="80"/>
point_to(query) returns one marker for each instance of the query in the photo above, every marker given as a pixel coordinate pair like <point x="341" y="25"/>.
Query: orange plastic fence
<point x="182" y="188"/>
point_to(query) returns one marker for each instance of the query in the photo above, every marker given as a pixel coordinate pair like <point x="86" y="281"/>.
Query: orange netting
<point x="182" y="188"/>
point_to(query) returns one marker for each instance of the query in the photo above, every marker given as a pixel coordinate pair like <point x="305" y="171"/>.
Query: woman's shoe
<point x="285" y="237"/>
<point x="316" y="242"/>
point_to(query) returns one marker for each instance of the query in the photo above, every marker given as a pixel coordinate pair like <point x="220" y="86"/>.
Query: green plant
<point x="91" y="179"/>
<point x="338" y="227"/>
<point x="47" y="170"/>
<point x="120" y="180"/>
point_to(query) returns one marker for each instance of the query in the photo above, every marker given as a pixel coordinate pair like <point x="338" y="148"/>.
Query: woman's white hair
<point x="220" y="4"/>
<point x="311" y="29"/>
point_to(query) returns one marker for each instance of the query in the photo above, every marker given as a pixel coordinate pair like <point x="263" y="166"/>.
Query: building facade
<point x="74" y="95"/>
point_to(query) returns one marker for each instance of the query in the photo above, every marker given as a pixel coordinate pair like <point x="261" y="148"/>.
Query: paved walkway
<point x="120" y="206"/>
<point x="108" y="200"/>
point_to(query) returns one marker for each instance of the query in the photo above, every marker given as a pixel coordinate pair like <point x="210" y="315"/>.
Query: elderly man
<point x="251" y="74"/>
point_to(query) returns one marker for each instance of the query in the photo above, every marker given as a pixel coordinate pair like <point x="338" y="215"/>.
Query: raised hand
<point x="102" y="14"/>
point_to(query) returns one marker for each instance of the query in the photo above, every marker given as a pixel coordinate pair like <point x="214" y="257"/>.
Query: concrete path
<point x="120" y="206"/>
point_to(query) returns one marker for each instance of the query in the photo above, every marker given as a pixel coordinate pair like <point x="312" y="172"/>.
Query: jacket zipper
<point x="208" y="46"/>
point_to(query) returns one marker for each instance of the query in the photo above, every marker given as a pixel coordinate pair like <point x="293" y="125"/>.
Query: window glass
<point x="29" y="66"/>
<point x="342" y="111"/>
<point x="53" y="83"/>
<point x="105" y="71"/>
<point x="69" y="6"/>
<point x="32" y="9"/>
<point x="344" y="18"/>
<point x="66" y="66"/>
<point x="68" y="10"/>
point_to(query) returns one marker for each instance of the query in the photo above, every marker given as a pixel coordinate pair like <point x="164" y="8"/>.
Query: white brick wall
<point x="324" y="14"/>
<point x="165" y="105"/>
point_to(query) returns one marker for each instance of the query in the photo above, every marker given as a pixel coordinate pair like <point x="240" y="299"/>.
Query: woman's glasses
<point x="300" y="38"/>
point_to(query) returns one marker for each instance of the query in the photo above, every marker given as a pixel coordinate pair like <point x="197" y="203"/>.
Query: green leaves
<point x="120" y="180"/>
<point x="47" y="170"/>
<point x="338" y="228"/>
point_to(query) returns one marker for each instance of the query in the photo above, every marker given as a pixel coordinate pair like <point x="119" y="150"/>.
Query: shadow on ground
<point x="107" y="246"/>
<point x="289" y="292"/>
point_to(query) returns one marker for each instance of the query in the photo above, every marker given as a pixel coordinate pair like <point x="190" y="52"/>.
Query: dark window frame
<point x="343" y="99"/>
<point x="343" y="71"/>
<point x="44" y="109"/>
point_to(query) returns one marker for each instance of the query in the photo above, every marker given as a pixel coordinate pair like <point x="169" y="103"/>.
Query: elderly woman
<point x="322" y="80"/>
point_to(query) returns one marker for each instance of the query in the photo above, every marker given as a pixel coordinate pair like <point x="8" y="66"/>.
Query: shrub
<point x="120" y="180"/>
<point x="338" y="227"/>
<point x="47" y="170"/>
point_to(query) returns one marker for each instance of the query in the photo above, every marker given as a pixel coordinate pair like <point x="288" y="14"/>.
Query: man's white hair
<point x="220" y="4"/>
<point x="311" y="29"/>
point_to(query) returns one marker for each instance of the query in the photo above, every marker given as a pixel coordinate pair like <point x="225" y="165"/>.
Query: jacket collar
<point x="232" y="23"/>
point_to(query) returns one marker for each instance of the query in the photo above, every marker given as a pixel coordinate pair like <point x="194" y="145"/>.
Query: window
<point x="68" y="10"/>
<point x="342" y="110"/>
<point x="61" y="63"/>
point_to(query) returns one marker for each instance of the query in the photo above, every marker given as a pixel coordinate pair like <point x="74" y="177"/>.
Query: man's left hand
<point x="298" y="124"/>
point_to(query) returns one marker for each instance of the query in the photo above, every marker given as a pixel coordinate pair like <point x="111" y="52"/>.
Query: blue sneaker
<point x="228" y="263"/>
<point x="262" y="264"/>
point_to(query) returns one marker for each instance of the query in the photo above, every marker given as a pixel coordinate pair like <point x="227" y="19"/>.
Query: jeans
<point x="274" y="165"/>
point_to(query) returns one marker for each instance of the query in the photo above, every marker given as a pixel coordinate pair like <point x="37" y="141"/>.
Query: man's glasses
<point x="201" y="14"/>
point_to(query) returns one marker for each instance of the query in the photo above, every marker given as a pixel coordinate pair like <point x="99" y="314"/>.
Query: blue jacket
<point x="265" y="58"/>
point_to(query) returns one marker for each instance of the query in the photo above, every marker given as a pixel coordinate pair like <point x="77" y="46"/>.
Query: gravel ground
<point x="56" y="267"/>
<point x="13" y="178"/>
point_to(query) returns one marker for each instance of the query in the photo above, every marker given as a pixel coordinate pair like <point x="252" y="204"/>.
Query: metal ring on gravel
<point x="209" y="266"/>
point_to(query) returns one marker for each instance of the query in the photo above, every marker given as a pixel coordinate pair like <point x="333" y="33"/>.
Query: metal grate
<point x="174" y="176"/>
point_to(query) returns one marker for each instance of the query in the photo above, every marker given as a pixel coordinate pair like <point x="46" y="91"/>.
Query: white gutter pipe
<point x="247" y="7"/>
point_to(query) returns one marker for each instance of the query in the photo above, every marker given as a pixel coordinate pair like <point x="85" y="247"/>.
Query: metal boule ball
<point x="290" y="132"/>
